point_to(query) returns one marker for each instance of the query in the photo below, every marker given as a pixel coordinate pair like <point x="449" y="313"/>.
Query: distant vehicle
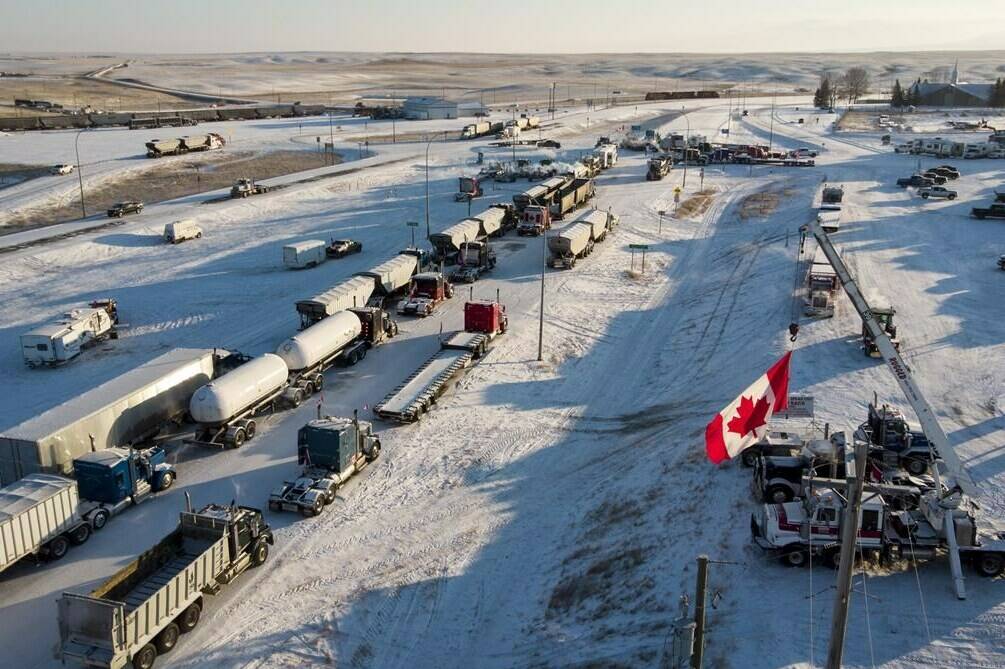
<point x="995" y="210"/>
<point x="549" y="144"/>
<point x="937" y="192"/>
<point x="803" y="152"/>
<point x="427" y="290"/>
<point x="305" y="254"/>
<point x="947" y="171"/>
<point x="468" y="188"/>
<point x="1001" y="262"/>
<point x="902" y="148"/>
<point x="61" y="169"/>
<point x="339" y="248"/>
<point x="745" y="113"/>
<point x="996" y="153"/>
<point x="935" y="176"/>
<point x="915" y="180"/>
<point x="63" y="339"/>
<point x="120" y="209"/>
<point x="179" y="231"/>
<point x="246" y="187"/>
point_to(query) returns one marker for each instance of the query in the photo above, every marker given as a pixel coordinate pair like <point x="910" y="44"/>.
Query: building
<point x="429" y="108"/>
<point x="953" y="93"/>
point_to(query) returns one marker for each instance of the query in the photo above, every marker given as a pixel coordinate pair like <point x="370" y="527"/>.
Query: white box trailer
<point x="119" y="412"/>
<point x="63" y="340"/>
<point x="308" y="253"/>
<point x="353" y="293"/>
<point x="179" y="231"/>
<point x="393" y="275"/>
<point x="33" y="512"/>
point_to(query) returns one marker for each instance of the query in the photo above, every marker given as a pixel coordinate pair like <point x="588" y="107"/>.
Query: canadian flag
<point x="745" y="421"/>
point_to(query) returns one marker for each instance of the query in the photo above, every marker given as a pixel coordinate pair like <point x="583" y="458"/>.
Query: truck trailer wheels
<point x="57" y="548"/>
<point x="189" y="618"/>
<point x="990" y="564"/>
<point x="168" y="638"/>
<point x="80" y="534"/>
<point x="145" y="658"/>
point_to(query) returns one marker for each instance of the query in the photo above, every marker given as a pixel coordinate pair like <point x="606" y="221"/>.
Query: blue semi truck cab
<point x="113" y="479"/>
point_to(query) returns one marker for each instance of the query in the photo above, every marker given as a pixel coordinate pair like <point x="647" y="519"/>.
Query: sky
<point x="503" y="26"/>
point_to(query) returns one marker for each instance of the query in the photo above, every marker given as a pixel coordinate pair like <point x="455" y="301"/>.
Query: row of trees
<point x="851" y="85"/>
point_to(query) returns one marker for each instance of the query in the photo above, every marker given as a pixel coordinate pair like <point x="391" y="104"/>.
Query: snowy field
<point x="545" y="514"/>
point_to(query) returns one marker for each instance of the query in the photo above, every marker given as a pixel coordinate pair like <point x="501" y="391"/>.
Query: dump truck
<point x="330" y="450"/>
<point x="571" y="244"/>
<point x="125" y="412"/>
<point x="659" y="167"/>
<point x="64" y="339"/>
<point x="426" y="292"/>
<point x="246" y="187"/>
<point x="473" y="260"/>
<point x="483" y="321"/>
<point x="140" y="611"/>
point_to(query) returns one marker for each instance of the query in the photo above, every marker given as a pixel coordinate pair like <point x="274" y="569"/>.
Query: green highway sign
<point x="639" y="247"/>
<point x="412" y="224"/>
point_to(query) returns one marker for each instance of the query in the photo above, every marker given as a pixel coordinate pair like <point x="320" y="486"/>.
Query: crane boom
<point x="949" y="469"/>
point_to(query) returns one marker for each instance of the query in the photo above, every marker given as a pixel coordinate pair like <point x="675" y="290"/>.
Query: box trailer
<point x="39" y="516"/>
<point x="140" y="611"/>
<point x="308" y="253"/>
<point x="120" y="412"/>
<point x="349" y="294"/>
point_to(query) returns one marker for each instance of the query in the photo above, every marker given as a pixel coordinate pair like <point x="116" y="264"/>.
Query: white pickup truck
<point x="937" y="191"/>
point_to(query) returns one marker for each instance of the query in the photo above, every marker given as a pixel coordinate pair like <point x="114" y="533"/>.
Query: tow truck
<point x="953" y="484"/>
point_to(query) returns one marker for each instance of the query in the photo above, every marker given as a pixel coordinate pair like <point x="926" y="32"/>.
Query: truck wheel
<point x="198" y="235"/>
<point x="924" y="196"/>
<point x="990" y="564"/>
<point x="748" y="458"/>
<point x="145" y="658"/>
<point x="250" y="428"/>
<point x="952" y="197"/>
<point x="99" y="519"/>
<point x="310" y="511"/>
<point x="189" y="618"/>
<point x="308" y="388"/>
<point x="794" y="558"/>
<point x="239" y="437"/>
<point x="260" y="553"/>
<point x="374" y="452"/>
<point x="166" y="481"/>
<point x="915" y="466"/>
<point x="167" y="639"/>
<point x="58" y="547"/>
<point x="362" y="353"/>
<point x="80" y="534"/>
<point x="298" y="397"/>
<point x="778" y="494"/>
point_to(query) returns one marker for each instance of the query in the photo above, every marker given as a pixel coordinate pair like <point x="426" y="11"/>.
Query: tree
<point x="824" y="96"/>
<point x="998" y="93"/>
<point x="897" y="96"/>
<point x="856" y="83"/>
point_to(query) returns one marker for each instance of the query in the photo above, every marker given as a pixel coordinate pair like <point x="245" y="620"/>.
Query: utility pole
<point x="540" y="320"/>
<point x="427" y="188"/>
<point x="771" y="131"/>
<point x="698" y="652"/>
<point x="846" y="566"/>
<point x="80" y="177"/>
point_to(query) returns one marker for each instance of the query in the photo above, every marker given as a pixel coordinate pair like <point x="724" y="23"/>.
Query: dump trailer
<point x="351" y="293"/>
<point x="494" y="220"/>
<point x="573" y="243"/>
<point x="224" y="409"/>
<point x="140" y="611"/>
<point x="448" y="242"/>
<point x="572" y="196"/>
<point x="393" y="276"/>
<point x="600" y="221"/>
<point x="63" y="339"/>
<point x="39" y="517"/>
<point x="330" y="450"/>
<point x="483" y="321"/>
<point x="164" y="147"/>
<point x="539" y="194"/>
<point x="121" y="412"/>
<point x="205" y="142"/>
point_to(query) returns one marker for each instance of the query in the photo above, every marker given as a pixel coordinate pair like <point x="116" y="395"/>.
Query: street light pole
<point x="427" y="188"/>
<point x="331" y="137"/>
<point x="540" y="321"/>
<point x="80" y="178"/>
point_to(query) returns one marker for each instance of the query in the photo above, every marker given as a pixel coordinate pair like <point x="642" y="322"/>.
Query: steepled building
<point x="955" y="93"/>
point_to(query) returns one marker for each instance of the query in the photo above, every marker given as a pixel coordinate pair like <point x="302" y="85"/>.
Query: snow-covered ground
<point x="546" y="513"/>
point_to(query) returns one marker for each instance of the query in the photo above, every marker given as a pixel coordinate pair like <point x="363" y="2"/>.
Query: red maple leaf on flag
<point x="750" y="416"/>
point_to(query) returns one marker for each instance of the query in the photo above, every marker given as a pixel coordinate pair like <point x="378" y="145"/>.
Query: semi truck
<point x="607" y="154"/>
<point x="426" y="292"/>
<point x="659" y="167"/>
<point x="468" y="188"/>
<point x="62" y="340"/>
<point x="483" y="321"/>
<point x="157" y="148"/>
<point x="42" y="515"/>
<point x="473" y="260"/>
<point x="330" y="450"/>
<point x="125" y="411"/>
<point x="473" y="130"/>
<point x="247" y="187"/>
<point x="140" y="611"/>
<point x="534" y="220"/>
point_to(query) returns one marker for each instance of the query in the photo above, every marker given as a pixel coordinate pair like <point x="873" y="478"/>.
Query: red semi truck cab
<point x="487" y="317"/>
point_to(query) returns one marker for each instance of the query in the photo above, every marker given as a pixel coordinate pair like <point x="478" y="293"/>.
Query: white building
<point x="429" y="108"/>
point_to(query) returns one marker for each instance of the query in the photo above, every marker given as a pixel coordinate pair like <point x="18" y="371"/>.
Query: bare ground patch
<point x="15" y="173"/>
<point x="762" y="205"/>
<point x="171" y="179"/>
<point x="695" y="205"/>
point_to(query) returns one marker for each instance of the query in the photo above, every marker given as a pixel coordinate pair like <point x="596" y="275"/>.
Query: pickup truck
<point x="915" y="180"/>
<point x="937" y="191"/>
<point x="947" y="171"/>
<point x="61" y="169"/>
<point x="994" y="210"/>
<point x="938" y="178"/>
<point x="339" y="248"/>
<point x="120" y="209"/>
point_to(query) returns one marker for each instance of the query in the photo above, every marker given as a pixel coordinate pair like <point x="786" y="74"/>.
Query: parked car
<point x="938" y="192"/>
<point x="120" y="209"/>
<point x="803" y="152"/>
<point x="915" y="180"/>
<point x="61" y="169"/>
<point x="549" y="144"/>
<point x="996" y="153"/>
<point x="1001" y="262"/>
<point x="338" y="248"/>
<point x="947" y="171"/>
<point x="935" y="177"/>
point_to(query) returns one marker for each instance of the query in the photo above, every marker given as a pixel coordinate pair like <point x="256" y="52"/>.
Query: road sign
<point x="639" y="247"/>
<point x="800" y="406"/>
<point x="412" y="224"/>
<point x="676" y="190"/>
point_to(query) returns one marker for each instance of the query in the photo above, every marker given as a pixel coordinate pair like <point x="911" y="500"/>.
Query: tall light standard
<point x="687" y="143"/>
<point x="80" y="178"/>
<point x="427" y="188"/>
<point x="540" y="321"/>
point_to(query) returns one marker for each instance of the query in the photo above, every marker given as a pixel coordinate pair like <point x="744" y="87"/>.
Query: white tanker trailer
<point x="225" y="408"/>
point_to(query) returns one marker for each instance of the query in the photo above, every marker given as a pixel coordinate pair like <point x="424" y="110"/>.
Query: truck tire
<point x="990" y="564"/>
<point x="80" y="534"/>
<point x="915" y="466"/>
<point x="924" y="196"/>
<point x="374" y="452"/>
<point x="198" y="235"/>
<point x="99" y="519"/>
<point x="166" y="481"/>
<point x="298" y="398"/>
<point x="239" y="436"/>
<point x="778" y="494"/>
<point x="250" y="429"/>
<point x="145" y="658"/>
<point x="189" y="618"/>
<point x="57" y="548"/>
<point x="313" y="510"/>
<point x="259" y="553"/>
<point x="794" y="558"/>
<point x="167" y="639"/>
